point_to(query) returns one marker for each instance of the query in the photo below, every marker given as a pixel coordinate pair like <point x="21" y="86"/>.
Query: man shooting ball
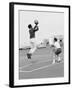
<point x="32" y="38"/>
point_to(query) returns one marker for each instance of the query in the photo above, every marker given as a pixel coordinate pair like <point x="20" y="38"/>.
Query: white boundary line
<point x="41" y="67"/>
<point x="25" y="66"/>
<point x="31" y="64"/>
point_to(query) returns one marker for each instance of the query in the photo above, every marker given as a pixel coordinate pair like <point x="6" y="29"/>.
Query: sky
<point x="50" y="23"/>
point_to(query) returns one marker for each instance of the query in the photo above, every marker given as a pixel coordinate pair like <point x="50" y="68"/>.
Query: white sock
<point x="53" y="61"/>
<point x="59" y="59"/>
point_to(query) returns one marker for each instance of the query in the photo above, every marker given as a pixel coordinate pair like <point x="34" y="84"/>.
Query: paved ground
<point x="40" y="66"/>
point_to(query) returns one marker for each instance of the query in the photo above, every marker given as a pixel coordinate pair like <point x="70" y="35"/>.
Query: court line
<point x="31" y="64"/>
<point x="25" y="66"/>
<point x="41" y="67"/>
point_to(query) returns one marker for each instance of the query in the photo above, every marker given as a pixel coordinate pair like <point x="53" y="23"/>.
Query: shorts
<point x="32" y="43"/>
<point x="58" y="51"/>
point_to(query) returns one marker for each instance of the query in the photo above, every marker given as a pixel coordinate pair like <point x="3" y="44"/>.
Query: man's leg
<point x="54" y="58"/>
<point x="58" y="55"/>
<point x="29" y="53"/>
<point x="32" y="50"/>
<point x="59" y="59"/>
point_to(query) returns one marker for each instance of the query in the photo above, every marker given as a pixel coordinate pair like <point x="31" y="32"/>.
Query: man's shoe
<point x="29" y="56"/>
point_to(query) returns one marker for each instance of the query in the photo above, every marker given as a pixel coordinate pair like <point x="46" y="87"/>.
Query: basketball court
<point x="40" y="66"/>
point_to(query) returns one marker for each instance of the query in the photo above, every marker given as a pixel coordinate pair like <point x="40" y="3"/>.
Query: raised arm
<point x="36" y="28"/>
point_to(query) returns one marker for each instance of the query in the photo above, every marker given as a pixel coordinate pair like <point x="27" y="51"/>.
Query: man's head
<point x="55" y="39"/>
<point x="60" y="40"/>
<point x="29" y="26"/>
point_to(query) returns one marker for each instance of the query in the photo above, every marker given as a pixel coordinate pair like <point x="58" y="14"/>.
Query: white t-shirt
<point x="57" y="45"/>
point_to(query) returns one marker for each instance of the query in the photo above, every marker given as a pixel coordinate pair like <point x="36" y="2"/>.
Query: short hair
<point x="29" y="26"/>
<point x="60" y="40"/>
<point x="55" y="39"/>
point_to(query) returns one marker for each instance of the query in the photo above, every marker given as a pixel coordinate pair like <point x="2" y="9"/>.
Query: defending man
<point x="57" y="51"/>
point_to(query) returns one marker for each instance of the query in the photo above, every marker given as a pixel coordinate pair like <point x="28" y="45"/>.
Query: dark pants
<point x="58" y="51"/>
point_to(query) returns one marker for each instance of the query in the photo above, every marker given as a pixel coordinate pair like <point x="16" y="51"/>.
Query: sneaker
<point x="29" y="56"/>
<point x="58" y="61"/>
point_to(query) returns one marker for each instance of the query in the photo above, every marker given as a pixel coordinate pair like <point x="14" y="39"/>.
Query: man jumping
<point x="32" y="38"/>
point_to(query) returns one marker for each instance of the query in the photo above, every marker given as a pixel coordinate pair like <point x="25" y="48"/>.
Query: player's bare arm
<point x="36" y="28"/>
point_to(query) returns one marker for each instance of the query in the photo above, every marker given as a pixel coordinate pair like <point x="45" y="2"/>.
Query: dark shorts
<point x="58" y="51"/>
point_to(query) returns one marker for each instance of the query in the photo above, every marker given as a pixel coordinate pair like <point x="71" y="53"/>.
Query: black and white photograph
<point x="41" y="44"/>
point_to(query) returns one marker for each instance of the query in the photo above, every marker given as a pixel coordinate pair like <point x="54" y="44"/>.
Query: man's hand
<point x="36" y="22"/>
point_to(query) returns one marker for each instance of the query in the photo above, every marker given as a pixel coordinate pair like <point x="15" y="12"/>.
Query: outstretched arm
<point x="36" y="28"/>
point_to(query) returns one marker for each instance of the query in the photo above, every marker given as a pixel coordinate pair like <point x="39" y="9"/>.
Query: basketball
<point x="36" y="22"/>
